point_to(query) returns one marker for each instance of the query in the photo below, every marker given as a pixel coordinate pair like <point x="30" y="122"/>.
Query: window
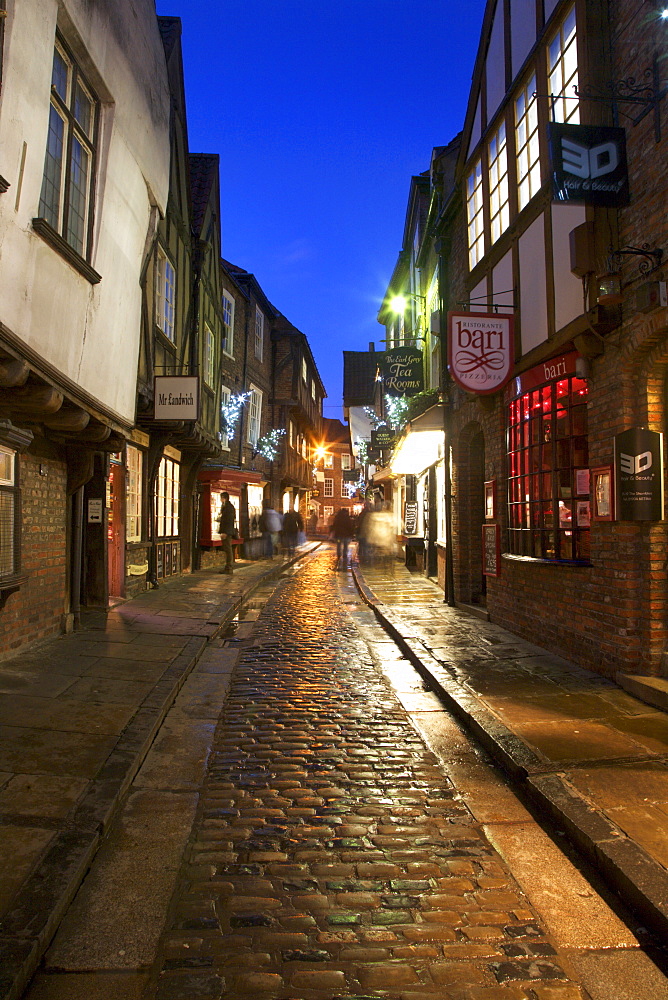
<point x="8" y="514"/>
<point x="346" y="462"/>
<point x="133" y="497"/>
<point x="224" y="403"/>
<point x="327" y="512"/>
<point x="228" y="325"/>
<point x="291" y="434"/>
<point x="329" y="461"/>
<point x="167" y="499"/>
<point x="498" y="183"/>
<point x="474" y="215"/>
<point x="527" y="145"/>
<point x="562" y="71"/>
<point x="328" y="489"/>
<point x="304" y="371"/>
<point x="165" y="294"/>
<point x="254" y="416"/>
<point x="259" y="333"/>
<point x="548" y="466"/>
<point x="67" y="183"/>
<point x="209" y="355"/>
<point x="345" y="491"/>
<point x="313" y="389"/>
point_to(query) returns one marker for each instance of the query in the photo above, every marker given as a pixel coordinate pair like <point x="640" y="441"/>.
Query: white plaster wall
<point x="503" y="282"/>
<point x="568" y="298"/>
<point x="533" y="297"/>
<point x="495" y="65"/>
<point x="88" y="333"/>
<point x="522" y="31"/>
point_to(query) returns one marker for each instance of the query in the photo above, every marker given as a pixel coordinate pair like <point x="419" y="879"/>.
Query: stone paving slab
<point x="79" y="716"/>
<point x="584" y="751"/>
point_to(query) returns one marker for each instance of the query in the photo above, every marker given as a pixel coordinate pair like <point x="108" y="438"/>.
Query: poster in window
<point x="490" y="499"/>
<point x="168" y="559"/>
<point x="159" y="568"/>
<point x="491" y="550"/>
<point x="175" y="557"/>
<point x="583" y="514"/>
<point x="602" y="495"/>
<point x="581" y="482"/>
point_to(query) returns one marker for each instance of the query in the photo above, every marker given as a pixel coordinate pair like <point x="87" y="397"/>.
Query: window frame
<point x="209" y="365"/>
<point x="328" y="488"/>
<point x="228" y="325"/>
<point x="475" y="217"/>
<point x="59" y="217"/>
<point x="562" y="72"/>
<point x="9" y="536"/>
<point x="165" y="307"/>
<point x="259" y="333"/>
<point x="541" y="480"/>
<point x="527" y="144"/>
<point x="499" y="188"/>
<point x="167" y="498"/>
<point x="134" y="493"/>
<point x="254" y="424"/>
<point x="346" y="462"/>
<point x="225" y="393"/>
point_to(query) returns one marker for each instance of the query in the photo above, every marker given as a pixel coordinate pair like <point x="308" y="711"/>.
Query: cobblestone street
<point x="331" y="855"/>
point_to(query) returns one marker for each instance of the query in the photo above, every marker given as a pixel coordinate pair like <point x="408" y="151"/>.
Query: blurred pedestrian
<point x="293" y="523"/>
<point x="343" y="530"/>
<point x="270" y="526"/>
<point x="226" y="527"/>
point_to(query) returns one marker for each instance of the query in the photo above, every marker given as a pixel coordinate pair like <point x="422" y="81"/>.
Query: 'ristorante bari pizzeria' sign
<point x="481" y="350"/>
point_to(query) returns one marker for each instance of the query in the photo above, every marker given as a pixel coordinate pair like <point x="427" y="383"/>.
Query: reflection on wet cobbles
<point x="332" y="856"/>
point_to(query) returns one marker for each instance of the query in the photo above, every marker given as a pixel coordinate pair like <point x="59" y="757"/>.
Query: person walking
<point x="343" y="530"/>
<point x="293" y="523"/>
<point x="270" y="526"/>
<point x="226" y="527"/>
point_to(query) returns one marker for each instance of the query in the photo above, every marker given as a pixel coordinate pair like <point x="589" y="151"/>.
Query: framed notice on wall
<point x="490" y="499"/>
<point x="491" y="550"/>
<point x="602" y="494"/>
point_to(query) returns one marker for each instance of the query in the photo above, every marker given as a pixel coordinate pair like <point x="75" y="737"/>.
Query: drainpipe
<point x="447" y="429"/>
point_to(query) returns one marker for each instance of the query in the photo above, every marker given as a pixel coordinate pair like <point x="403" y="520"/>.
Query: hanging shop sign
<point x="639" y="475"/>
<point x="382" y="437"/>
<point x="176" y="397"/>
<point x="481" y="350"/>
<point x="350" y="475"/>
<point x="588" y="164"/>
<point x="402" y="372"/>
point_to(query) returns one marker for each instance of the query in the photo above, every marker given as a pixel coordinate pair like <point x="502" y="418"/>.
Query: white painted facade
<point x="85" y="332"/>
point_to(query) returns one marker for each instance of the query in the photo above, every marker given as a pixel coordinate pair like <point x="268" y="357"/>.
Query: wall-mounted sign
<point x="588" y="164"/>
<point x="410" y="518"/>
<point x="491" y="550"/>
<point x="639" y="475"/>
<point x="95" y="510"/>
<point x="350" y="475"/>
<point x="176" y="397"/>
<point x="481" y="350"/>
<point x="401" y="369"/>
<point x="382" y="437"/>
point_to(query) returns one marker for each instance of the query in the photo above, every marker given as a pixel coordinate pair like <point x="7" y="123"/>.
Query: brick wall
<point x="36" y="610"/>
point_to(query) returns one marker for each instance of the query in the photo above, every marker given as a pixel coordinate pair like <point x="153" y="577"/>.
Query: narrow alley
<point x="312" y="823"/>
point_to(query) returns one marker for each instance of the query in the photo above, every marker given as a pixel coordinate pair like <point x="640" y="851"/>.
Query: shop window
<point x="562" y="72"/>
<point x="548" y="472"/>
<point x="167" y="499"/>
<point x="133" y="500"/>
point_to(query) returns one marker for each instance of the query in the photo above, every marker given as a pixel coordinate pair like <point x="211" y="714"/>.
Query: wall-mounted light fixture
<point x="610" y="290"/>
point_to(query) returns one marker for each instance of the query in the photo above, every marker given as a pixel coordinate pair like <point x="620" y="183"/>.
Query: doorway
<point x="115" y="529"/>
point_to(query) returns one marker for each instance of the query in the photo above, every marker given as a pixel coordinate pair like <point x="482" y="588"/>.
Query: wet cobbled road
<point x="292" y="835"/>
<point x="331" y="856"/>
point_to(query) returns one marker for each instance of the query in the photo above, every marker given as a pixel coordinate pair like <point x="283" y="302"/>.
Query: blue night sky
<point x="321" y="113"/>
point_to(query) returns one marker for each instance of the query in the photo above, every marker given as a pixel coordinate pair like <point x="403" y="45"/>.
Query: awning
<point x="421" y="445"/>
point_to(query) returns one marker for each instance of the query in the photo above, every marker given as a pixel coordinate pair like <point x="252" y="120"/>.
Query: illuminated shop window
<point x="562" y="71"/>
<point x="167" y="499"/>
<point x="133" y="498"/>
<point x="498" y="183"/>
<point x="526" y="144"/>
<point x="474" y="215"/>
<point x="548" y="472"/>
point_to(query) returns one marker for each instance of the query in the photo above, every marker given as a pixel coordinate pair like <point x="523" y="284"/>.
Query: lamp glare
<point x="398" y="304"/>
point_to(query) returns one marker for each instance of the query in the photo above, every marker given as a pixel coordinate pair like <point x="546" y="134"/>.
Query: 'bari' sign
<point x="481" y="350"/>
